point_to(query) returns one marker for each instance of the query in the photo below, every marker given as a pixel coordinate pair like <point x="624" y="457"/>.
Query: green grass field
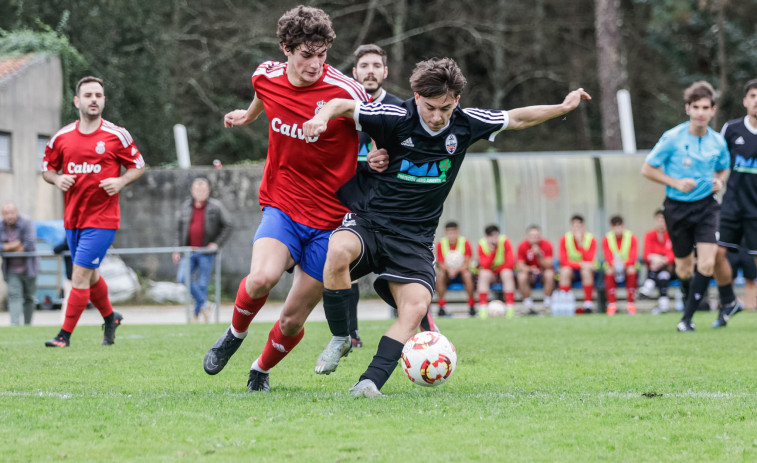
<point x="531" y="389"/>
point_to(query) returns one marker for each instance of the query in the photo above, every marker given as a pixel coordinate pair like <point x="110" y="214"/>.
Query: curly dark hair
<point x="305" y="25"/>
<point x="436" y="77"/>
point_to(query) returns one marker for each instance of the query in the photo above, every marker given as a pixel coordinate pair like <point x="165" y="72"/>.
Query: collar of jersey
<point x="749" y="126"/>
<point x="427" y="128"/>
<point x="380" y="98"/>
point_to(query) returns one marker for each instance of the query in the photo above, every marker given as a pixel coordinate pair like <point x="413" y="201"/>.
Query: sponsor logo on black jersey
<point x="430" y="172"/>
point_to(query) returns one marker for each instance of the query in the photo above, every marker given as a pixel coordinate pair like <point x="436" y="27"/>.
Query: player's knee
<point x="290" y="325"/>
<point x="338" y="257"/>
<point x="259" y="283"/>
<point x="706" y="267"/>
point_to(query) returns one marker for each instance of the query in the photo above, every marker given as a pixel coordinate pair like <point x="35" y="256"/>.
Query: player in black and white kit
<point x="390" y="230"/>
<point x="370" y="70"/>
<point x="738" y="212"/>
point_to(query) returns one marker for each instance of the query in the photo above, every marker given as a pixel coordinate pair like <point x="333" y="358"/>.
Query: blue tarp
<point x="51" y="231"/>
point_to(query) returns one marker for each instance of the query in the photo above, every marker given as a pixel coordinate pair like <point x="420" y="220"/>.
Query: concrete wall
<point x="30" y="105"/>
<point x="546" y="189"/>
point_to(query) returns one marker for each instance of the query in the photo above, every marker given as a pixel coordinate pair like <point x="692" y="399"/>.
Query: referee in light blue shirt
<point x="691" y="160"/>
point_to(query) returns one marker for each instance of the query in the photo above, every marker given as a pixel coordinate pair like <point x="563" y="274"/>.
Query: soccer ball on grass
<point x="428" y="359"/>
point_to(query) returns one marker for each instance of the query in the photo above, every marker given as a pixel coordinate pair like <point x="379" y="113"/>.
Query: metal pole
<point x="217" y="314"/>
<point x="188" y="285"/>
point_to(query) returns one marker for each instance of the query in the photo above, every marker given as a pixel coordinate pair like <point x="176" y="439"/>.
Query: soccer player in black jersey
<point x="738" y="212"/>
<point x="370" y="70"/>
<point x="390" y="230"/>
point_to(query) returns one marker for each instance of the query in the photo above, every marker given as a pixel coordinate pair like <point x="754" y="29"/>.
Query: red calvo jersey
<point x="300" y="176"/>
<point x="91" y="158"/>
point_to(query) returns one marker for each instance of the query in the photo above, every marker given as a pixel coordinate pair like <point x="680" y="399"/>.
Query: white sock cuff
<point x="237" y="334"/>
<point x="256" y="367"/>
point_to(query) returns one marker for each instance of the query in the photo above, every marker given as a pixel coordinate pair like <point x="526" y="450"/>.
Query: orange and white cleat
<point x="631" y="308"/>
<point x="611" y="309"/>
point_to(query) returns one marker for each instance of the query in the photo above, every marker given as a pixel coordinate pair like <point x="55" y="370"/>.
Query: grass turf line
<point x="531" y="389"/>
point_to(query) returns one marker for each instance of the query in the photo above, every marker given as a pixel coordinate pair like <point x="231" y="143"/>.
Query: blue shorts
<point x="89" y="245"/>
<point x="307" y="245"/>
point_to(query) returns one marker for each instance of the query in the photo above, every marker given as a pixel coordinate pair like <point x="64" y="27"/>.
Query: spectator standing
<point x="621" y="250"/>
<point x="17" y="234"/>
<point x="203" y="222"/>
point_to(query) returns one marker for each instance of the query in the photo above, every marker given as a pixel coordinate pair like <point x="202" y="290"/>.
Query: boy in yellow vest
<point x="578" y="250"/>
<point x="621" y="250"/>
<point x="453" y="257"/>
<point x="495" y="258"/>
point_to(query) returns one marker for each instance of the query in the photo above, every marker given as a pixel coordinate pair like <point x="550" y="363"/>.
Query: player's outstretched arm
<point x="522" y="118"/>
<point x="244" y="116"/>
<point x="338" y="107"/>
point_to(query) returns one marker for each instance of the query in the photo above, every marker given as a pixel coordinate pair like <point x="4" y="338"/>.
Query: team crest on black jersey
<point x="100" y="147"/>
<point x="451" y="143"/>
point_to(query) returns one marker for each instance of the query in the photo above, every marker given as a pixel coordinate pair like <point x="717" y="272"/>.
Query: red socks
<point x="277" y="347"/>
<point x="483" y="298"/>
<point x="471" y="301"/>
<point x="77" y="302"/>
<point x="98" y="294"/>
<point x="588" y="292"/>
<point x="611" y="286"/>
<point x="510" y="298"/>
<point x="245" y="308"/>
<point x="631" y="286"/>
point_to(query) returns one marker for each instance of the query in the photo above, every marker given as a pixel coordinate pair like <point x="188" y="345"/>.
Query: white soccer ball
<point x="497" y="309"/>
<point x="454" y="259"/>
<point x="428" y="359"/>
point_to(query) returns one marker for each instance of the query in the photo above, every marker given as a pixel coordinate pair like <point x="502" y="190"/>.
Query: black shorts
<point x="734" y="229"/>
<point x="391" y="256"/>
<point x="690" y="223"/>
<point x="741" y="260"/>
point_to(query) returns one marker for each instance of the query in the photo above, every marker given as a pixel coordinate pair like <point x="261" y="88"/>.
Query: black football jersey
<point x="408" y="197"/>
<point x="741" y="195"/>
<point x="364" y="144"/>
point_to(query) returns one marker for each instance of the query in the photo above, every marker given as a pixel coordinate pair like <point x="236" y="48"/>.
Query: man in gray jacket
<point x="203" y="222"/>
<point x="17" y="234"/>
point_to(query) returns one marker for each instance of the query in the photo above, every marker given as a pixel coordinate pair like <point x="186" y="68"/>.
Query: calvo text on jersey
<point x="291" y="131"/>
<point x="84" y="168"/>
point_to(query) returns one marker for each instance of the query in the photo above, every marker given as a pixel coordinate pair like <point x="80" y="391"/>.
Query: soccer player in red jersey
<point x="84" y="160"/>
<point x="621" y="251"/>
<point x="449" y="270"/>
<point x="298" y="191"/>
<point x="578" y="251"/>
<point x="658" y="255"/>
<point x="495" y="259"/>
<point x="534" y="264"/>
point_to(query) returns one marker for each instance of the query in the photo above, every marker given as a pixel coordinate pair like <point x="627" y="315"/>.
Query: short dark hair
<point x="86" y="80"/>
<point x="437" y="77"/>
<point x="491" y="229"/>
<point x="577" y="217"/>
<point x="699" y="90"/>
<point x="451" y="224"/>
<point x="368" y="49"/>
<point x="750" y="85"/>
<point x="305" y="25"/>
<point x="616" y="220"/>
<point x="533" y="226"/>
<point x="658" y="211"/>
